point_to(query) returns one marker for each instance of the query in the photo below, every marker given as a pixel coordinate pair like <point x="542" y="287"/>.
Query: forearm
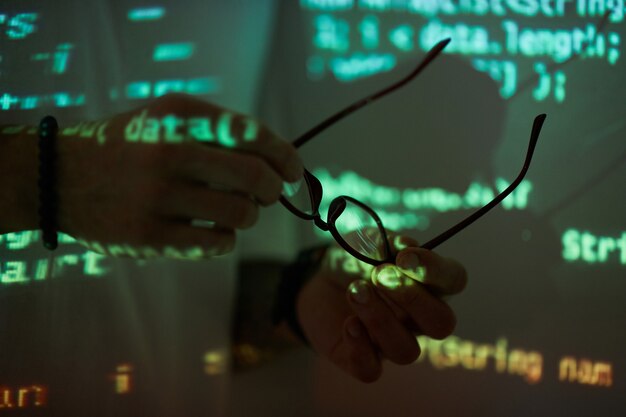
<point x="18" y="179"/>
<point x="267" y="294"/>
<point x="256" y="339"/>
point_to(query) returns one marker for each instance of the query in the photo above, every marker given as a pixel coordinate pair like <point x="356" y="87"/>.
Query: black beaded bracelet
<point x="294" y="277"/>
<point x="48" y="128"/>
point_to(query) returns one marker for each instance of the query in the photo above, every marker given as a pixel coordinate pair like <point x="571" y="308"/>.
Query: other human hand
<point x="356" y="315"/>
<point x="133" y="185"/>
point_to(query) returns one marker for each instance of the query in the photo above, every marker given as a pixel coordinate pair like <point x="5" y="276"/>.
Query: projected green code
<point x="356" y="39"/>
<point x="586" y="247"/>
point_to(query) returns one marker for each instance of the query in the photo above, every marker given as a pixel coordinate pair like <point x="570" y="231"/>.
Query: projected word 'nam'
<point x="585" y="371"/>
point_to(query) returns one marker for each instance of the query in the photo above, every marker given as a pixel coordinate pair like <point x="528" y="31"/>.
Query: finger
<point x="280" y="154"/>
<point x="399" y="242"/>
<point x="357" y="354"/>
<point x="237" y="131"/>
<point x="239" y="172"/>
<point x="444" y="275"/>
<point x="170" y="241"/>
<point x="227" y="209"/>
<point x="392" y="338"/>
<point x="429" y="314"/>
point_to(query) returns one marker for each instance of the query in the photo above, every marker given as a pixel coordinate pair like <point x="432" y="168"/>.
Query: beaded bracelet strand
<point x="48" y="128"/>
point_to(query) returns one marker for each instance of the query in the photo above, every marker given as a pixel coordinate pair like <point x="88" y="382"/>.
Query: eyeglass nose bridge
<point x="321" y="223"/>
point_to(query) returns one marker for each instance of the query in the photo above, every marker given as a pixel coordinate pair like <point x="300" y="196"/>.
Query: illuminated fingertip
<point x="359" y="291"/>
<point x="399" y="243"/>
<point x="387" y="276"/>
<point x="410" y="265"/>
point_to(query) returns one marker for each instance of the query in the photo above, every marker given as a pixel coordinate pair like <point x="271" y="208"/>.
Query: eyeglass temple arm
<point x="534" y="136"/>
<point x="432" y="54"/>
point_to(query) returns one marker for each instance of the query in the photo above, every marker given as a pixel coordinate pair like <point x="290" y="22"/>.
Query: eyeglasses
<point x="355" y="226"/>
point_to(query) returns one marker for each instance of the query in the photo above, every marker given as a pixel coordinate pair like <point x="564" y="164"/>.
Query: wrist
<point x="293" y="281"/>
<point x="19" y="174"/>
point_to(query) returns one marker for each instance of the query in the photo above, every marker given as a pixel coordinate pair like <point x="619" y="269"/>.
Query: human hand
<point x="357" y="315"/>
<point x="132" y="185"/>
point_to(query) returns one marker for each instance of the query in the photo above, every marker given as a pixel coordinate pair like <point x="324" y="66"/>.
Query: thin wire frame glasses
<point x="355" y="226"/>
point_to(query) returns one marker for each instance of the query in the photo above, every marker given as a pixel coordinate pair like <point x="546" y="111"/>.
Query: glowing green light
<point x="171" y="123"/>
<point x="14" y="272"/>
<point x="389" y="277"/>
<point x="173" y="129"/>
<point x="402" y="38"/>
<point x="173" y="51"/>
<point x="30" y="103"/>
<point x="370" y="32"/>
<point x="361" y="65"/>
<point x="378" y="5"/>
<point x="163" y="87"/>
<point x="92" y="264"/>
<point x="21" y="25"/>
<point x="204" y="85"/>
<point x="330" y="5"/>
<point x="146" y="13"/>
<point x="399" y="244"/>
<point x="331" y="33"/>
<point x="589" y="248"/>
<point x="224" y="130"/>
<point x="61" y="58"/>
<point x="502" y="71"/>
<point x="200" y="129"/>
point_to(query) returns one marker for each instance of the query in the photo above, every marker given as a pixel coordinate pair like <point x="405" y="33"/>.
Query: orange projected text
<point x="456" y="352"/>
<point x="585" y="371"/>
<point x="22" y="397"/>
<point x="122" y="378"/>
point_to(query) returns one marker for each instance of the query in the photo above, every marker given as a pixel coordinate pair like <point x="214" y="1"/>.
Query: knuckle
<point x="227" y="241"/>
<point x="411" y="296"/>
<point x="460" y="281"/>
<point x="274" y="191"/>
<point x="408" y="354"/>
<point x="256" y="175"/>
<point x="247" y="215"/>
<point x="219" y="243"/>
<point x="377" y="324"/>
<point x="444" y="325"/>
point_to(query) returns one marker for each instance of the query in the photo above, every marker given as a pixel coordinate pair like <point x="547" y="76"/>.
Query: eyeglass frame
<point x="338" y="204"/>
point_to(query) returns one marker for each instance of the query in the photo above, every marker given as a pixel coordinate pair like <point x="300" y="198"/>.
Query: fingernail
<point x="359" y="291"/>
<point x="399" y="243"/>
<point x="409" y="263"/>
<point x="292" y="188"/>
<point x="388" y="276"/>
<point x="354" y="329"/>
<point x="295" y="170"/>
